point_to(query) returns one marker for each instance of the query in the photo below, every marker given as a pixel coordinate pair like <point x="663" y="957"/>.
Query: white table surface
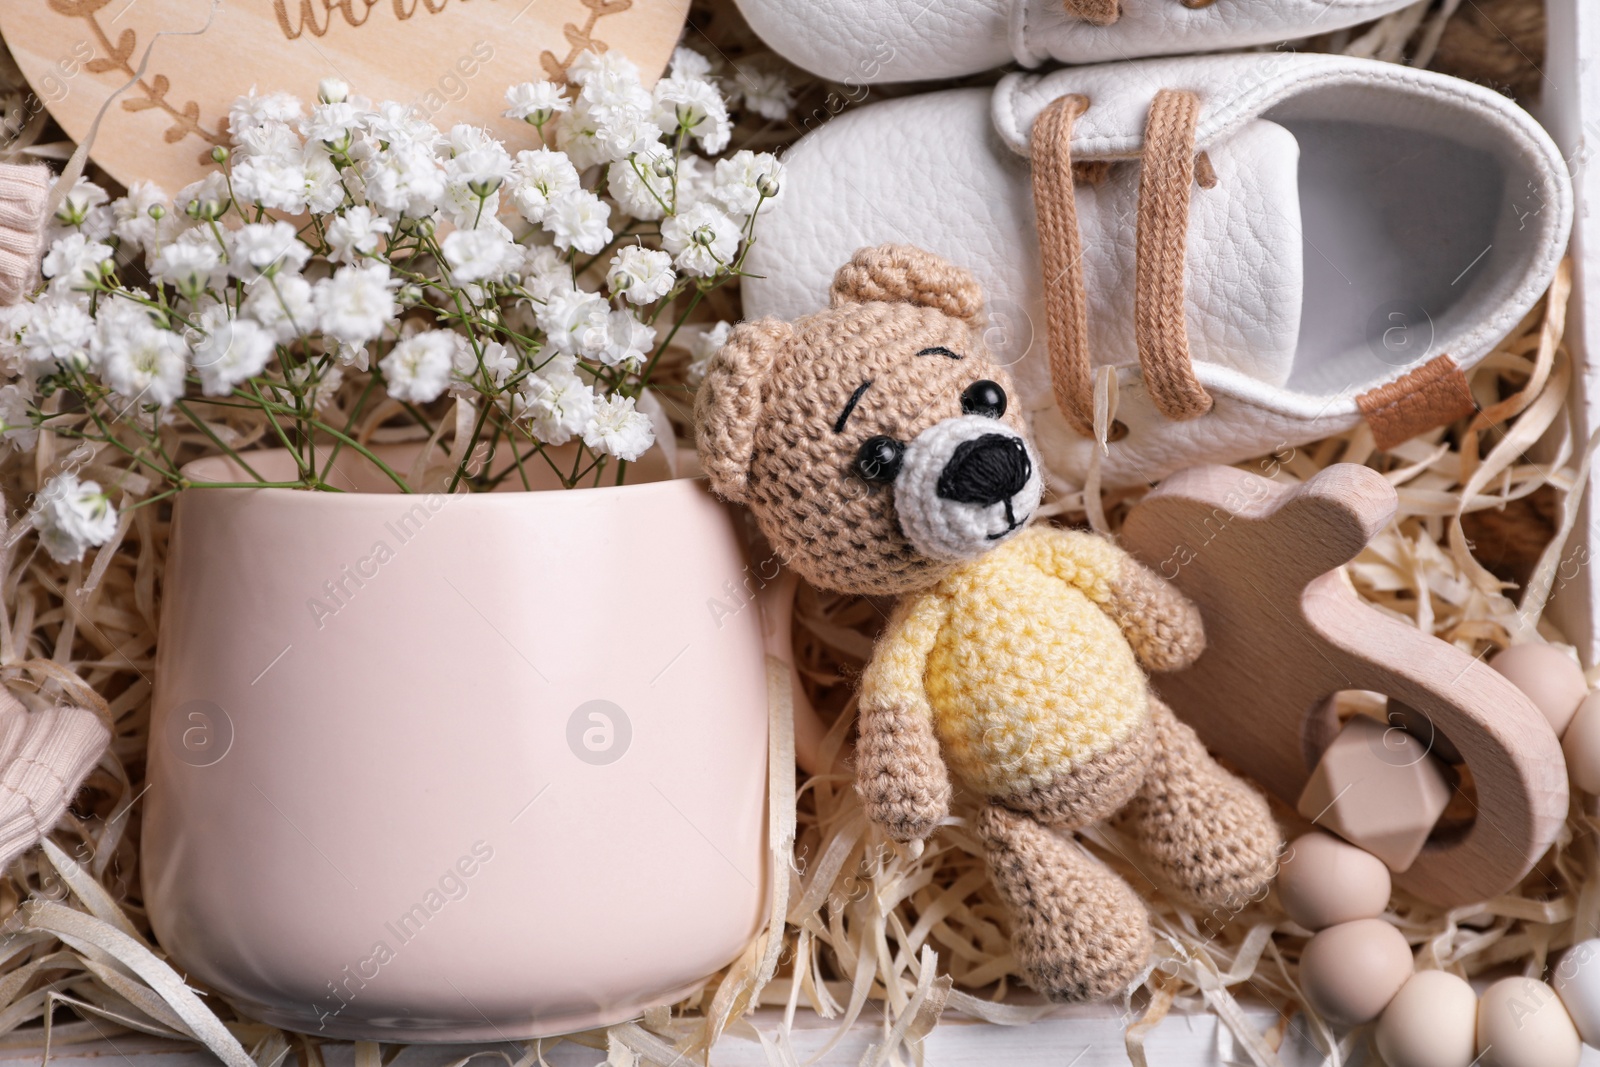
<point x="1072" y="1037"/>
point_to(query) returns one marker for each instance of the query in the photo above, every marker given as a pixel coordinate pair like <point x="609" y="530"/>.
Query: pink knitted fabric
<point x="44" y="757"/>
<point x="24" y="191"/>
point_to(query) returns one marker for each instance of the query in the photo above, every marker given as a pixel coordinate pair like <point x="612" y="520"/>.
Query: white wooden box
<point x="1570" y="109"/>
<point x="1092" y="1036"/>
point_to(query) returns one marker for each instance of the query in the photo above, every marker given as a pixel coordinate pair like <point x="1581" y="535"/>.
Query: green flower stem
<point x="150" y="442"/>
<point x="203" y="428"/>
<point x="267" y="406"/>
<point x="466" y="456"/>
<point x="665" y="207"/>
<point x="522" y="457"/>
<point x="257" y="485"/>
<point x="579" y="475"/>
<point x="677" y="165"/>
<point x="655" y="357"/>
<point x="350" y="423"/>
<point x="344" y="437"/>
<point x="663" y="305"/>
<point x="417" y="414"/>
<point x="165" y="309"/>
<point x="137" y="504"/>
<point x="572" y="479"/>
<point x="366" y="452"/>
<point x="106" y="438"/>
<point x="522" y="473"/>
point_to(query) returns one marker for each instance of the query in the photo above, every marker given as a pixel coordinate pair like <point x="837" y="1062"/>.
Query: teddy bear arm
<point x="1161" y="624"/>
<point x="900" y="773"/>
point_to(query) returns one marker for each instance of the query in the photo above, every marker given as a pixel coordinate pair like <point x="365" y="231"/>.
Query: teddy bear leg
<point x="1209" y="834"/>
<point x="1079" y="931"/>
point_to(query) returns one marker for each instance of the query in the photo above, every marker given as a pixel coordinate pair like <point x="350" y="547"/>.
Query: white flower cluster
<point x="72" y="516"/>
<point x="525" y="281"/>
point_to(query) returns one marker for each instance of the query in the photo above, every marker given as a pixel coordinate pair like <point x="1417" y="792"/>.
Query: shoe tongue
<point x="1243" y="270"/>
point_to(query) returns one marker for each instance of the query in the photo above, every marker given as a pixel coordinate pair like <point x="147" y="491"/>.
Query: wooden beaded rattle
<point x="1285" y="632"/>
<point x="1284" y="627"/>
<point x="1357" y="966"/>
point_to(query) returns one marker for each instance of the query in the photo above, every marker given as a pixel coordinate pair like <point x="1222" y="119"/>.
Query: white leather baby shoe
<point x="1267" y="248"/>
<point x="859" y="42"/>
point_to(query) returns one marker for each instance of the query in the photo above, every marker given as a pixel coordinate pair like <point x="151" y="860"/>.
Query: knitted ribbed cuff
<point x="24" y="192"/>
<point x="44" y="757"/>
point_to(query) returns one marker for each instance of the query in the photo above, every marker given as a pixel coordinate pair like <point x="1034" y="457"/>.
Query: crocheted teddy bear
<point x="875" y="443"/>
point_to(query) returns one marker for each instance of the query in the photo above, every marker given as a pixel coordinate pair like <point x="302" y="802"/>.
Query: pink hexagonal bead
<point x="1377" y="787"/>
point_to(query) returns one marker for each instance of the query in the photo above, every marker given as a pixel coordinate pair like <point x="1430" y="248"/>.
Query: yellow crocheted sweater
<point x="1024" y="674"/>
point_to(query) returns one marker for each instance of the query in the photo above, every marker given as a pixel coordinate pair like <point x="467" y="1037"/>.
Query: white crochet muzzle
<point x="966" y="485"/>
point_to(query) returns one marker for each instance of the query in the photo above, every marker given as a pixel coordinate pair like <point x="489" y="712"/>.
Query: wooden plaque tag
<point x="451" y="59"/>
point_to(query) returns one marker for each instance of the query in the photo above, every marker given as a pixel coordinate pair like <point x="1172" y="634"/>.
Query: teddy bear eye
<point x="984" y="397"/>
<point x="878" y="462"/>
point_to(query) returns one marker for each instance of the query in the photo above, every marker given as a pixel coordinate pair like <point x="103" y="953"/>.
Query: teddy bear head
<point x="876" y="442"/>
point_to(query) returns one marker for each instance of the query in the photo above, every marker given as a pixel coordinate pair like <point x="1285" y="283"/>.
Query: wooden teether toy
<point x="1285" y="632"/>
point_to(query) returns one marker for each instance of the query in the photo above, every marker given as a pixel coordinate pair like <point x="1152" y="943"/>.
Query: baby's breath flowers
<point x="72" y="516"/>
<point x="348" y="271"/>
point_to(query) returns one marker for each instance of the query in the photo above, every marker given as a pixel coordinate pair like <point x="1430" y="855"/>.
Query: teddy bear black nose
<point x="986" y="470"/>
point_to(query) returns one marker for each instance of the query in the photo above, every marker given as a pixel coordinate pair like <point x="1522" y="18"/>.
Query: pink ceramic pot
<point x="466" y="768"/>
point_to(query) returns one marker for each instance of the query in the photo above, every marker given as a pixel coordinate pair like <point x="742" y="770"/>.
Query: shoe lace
<point x="1105" y="12"/>
<point x="1168" y="169"/>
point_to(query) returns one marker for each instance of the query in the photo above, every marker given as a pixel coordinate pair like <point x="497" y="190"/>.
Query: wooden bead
<point x="1576" y="978"/>
<point x="1551" y="679"/>
<point x="1323" y="881"/>
<point x="1350" y="972"/>
<point x="1377" y="787"/>
<point x="1522" y="1023"/>
<point x="1581" y="746"/>
<point x="1431" y="1022"/>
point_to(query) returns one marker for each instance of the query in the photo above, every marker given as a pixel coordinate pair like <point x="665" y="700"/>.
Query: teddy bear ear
<point x="904" y="273"/>
<point x="728" y="405"/>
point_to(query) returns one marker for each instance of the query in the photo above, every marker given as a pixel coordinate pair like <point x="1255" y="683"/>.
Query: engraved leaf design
<point x="602" y="8"/>
<point x="186" y="125"/>
<point x="184" y="122"/>
<point x="118" y="57"/>
<point x="552" y="66"/>
<point x="577" y="37"/>
<point x="77" y="9"/>
<point x="155" y="95"/>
